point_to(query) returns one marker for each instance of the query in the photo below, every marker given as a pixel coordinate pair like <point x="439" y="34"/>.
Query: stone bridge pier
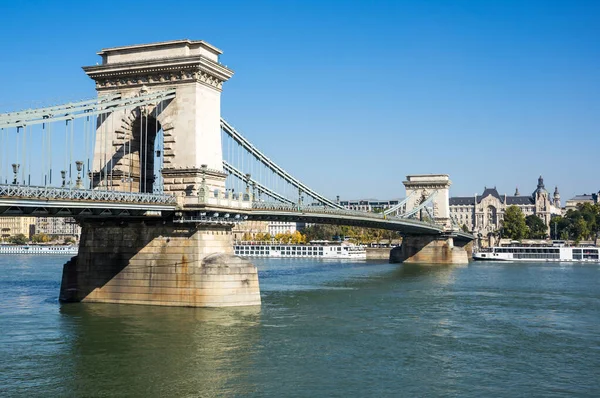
<point x="432" y="250"/>
<point x="445" y="248"/>
<point x="154" y="259"/>
<point x="158" y="262"/>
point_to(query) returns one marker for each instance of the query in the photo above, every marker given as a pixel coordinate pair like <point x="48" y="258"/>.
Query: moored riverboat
<point x="554" y="253"/>
<point x="318" y="249"/>
<point x="39" y="249"/>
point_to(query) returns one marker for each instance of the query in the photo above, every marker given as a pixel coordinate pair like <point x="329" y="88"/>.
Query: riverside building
<point x="58" y="227"/>
<point x="581" y="199"/>
<point x="11" y="226"/>
<point x="483" y="214"/>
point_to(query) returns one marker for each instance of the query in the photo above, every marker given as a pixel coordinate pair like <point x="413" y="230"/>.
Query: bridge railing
<point x="281" y="207"/>
<point x="55" y="193"/>
<point x="225" y="199"/>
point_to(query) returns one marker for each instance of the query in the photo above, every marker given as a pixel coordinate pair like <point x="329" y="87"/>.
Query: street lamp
<point x="15" y="167"/>
<point x="247" y="187"/>
<point x="79" y="182"/>
<point x="63" y="174"/>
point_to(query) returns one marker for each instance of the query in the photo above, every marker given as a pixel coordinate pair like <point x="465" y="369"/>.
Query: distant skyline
<point x="350" y="97"/>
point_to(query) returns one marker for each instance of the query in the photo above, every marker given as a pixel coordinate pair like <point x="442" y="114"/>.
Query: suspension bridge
<point x="157" y="180"/>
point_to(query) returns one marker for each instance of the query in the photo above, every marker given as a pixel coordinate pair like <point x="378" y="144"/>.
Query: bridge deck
<point x="18" y="200"/>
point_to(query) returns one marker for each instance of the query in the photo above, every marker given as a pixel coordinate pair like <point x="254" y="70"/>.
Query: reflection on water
<point x="159" y="351"/>
<point x="443" y="274"/>
<point x="326" y="328"/>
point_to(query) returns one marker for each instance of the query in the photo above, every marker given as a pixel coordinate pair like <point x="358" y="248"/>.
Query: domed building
<point x="483" y="214"/>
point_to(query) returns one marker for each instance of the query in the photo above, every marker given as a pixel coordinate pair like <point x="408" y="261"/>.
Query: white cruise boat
<point x="39" y="249"/>
<point x="312" y="250"/>
<point x="540" y="253"/>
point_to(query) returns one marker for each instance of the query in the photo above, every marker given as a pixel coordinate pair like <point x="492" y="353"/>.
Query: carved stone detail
<point x="183" y="76"/>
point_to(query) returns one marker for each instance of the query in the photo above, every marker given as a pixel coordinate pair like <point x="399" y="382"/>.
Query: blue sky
<point x="350" y="97"/>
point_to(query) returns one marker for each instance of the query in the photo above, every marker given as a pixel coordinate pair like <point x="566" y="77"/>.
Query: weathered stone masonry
<point x="160" y="263"/>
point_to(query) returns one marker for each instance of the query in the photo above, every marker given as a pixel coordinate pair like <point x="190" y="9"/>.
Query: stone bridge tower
<point x="161" y="260"/>
<point x="431" y="249"/>
<point x="190" y="122"/>
<point x="422" y="186"/>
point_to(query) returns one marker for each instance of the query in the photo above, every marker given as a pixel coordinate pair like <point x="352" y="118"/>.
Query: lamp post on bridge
<point x="63" y="175"/>
<point x="248" y="185"/>
<point x="15" y="167"/>
<point x="79" y="181"/>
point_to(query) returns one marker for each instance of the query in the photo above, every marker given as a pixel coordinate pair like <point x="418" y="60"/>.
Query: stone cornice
<point x="420" y="185"/>
<point x="177" y="172"/>
<point x="161" y="44"/>
<point x="159" y="72"/>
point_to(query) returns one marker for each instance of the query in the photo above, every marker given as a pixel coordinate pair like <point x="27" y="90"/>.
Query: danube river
<point x="325" y="329"/>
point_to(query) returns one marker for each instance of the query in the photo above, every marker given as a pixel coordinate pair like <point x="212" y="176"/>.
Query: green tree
<point x="590" y="212"/>
<point x="560" y="227"/>
<point x="555" y="227"/>
<point x="579" y="229"/>
<point x="18" y="239"/>
<point x="579" y="224"/>
<point x="465" y="228"/>
<point x="324" y="232"/>
<point x="377" y="235"/>
<point x="390" y="236"/>
<point x="40" y="238"/>
<point x="356" y="234"/>
<point x="514" y="223"/>
<point x="537" y="227"/>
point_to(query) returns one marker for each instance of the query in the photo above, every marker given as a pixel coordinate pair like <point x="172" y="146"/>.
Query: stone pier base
<point x="157" y="262"/>
<point x="426" y="249"/>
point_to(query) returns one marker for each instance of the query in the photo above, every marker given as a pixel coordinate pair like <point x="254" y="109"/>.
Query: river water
<point x="325" y="329"/>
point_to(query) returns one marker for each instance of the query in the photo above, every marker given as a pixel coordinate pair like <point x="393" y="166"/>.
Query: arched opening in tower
<point x="146" y="152"/>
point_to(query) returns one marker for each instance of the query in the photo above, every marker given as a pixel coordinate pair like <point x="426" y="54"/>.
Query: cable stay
<point x="247" y="145"/>
<point x="399" y="206"/>
<point x="82" y="109"/>
<point x="419" y="207"/>
<point x="260" y="187"/>
<point x="33" y="112"/>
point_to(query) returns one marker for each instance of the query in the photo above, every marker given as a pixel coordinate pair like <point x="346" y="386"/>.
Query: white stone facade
<point x="11" y="226"/>
<point x="281" y="227"/>
<point x="483" y="214"/>
<point x="581" y="199"/>
<point x="61" y="227"/>
<point x="249" y="227"/>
